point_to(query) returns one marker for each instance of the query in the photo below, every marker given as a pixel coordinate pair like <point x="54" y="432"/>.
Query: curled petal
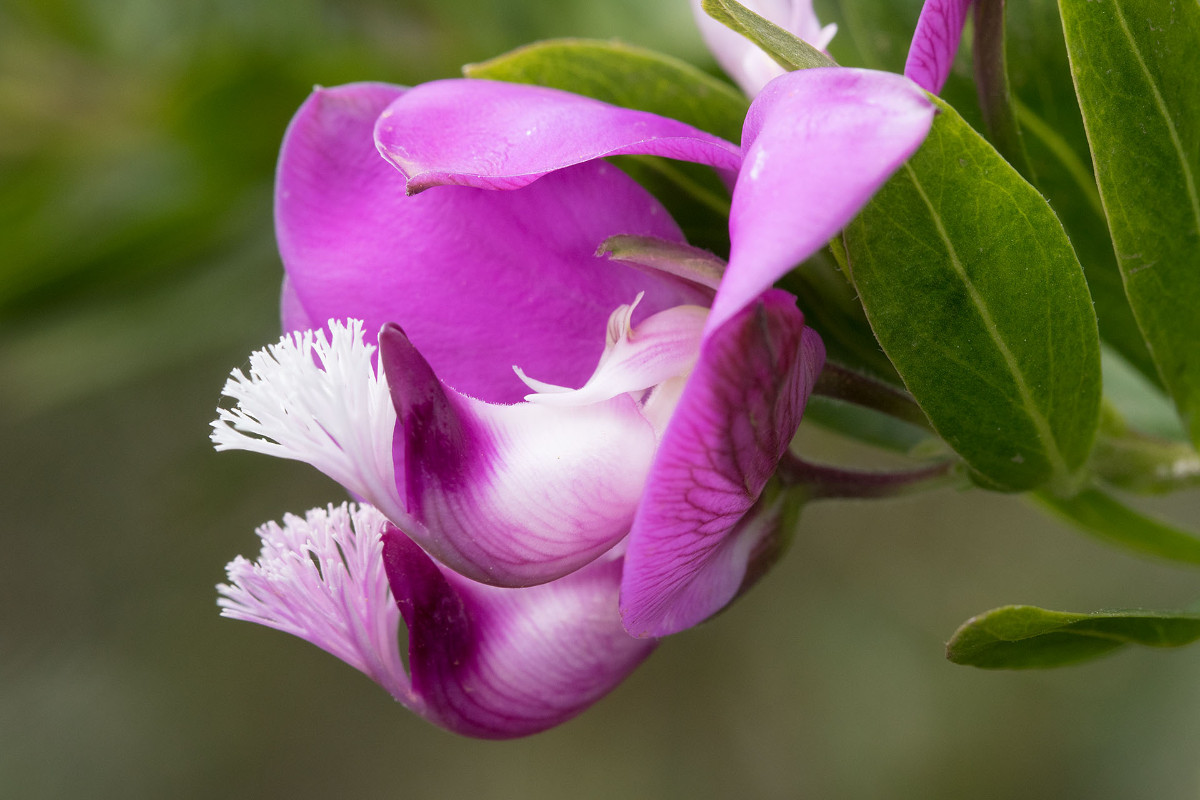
<point x="935" y="43"/>
<point x="495" y="135"/>
<point x="689" y="548"/>
<point x="500" y="663"/>
<point x="511" y="495"/>
<point x="743" y="60"/>
<point x="818" y="143"/>
<point x="660" y="348"/>
<point x="479" y="280"/>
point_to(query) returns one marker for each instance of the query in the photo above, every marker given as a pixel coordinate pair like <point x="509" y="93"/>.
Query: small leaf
<point x="788" y="50"/>
<point x="976" y="296"/>
<point x="1107" y="518"/>
<point x="1135" y="64"/>
<point x="1026" y="637"/>
<point x="625" y="76"/>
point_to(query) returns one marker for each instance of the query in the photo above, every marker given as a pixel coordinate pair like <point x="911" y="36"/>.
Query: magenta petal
<point x="511" y="495"/>
<point x="689" y="549"/>
<point x="935" y="42"/>
<point x="501" y="663"/>
<point x="818" y="143"/>
<point x="291" y="311"/>
<point x="495" y="135"/>
<point x="480" y="280"/>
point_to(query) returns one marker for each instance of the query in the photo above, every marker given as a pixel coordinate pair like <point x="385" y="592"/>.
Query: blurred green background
<point x="137" y="267"/>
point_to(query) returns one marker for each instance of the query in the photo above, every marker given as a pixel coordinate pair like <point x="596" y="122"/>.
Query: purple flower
<point x="935" y="42"/>
<point x="532" y="415"/>
<point x="486" y="662"/>
<point x="745" y="62"/>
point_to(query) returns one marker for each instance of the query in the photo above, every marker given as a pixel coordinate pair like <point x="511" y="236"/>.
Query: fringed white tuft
<point x="322" y="578"/>
<point x="319" y="400"/>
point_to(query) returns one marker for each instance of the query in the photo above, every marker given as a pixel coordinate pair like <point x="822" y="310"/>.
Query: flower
<point x="539" y="430"/>
<point x="935" y="42"/>
<point x="485" y="662"/>
<point x="744" y="61"/>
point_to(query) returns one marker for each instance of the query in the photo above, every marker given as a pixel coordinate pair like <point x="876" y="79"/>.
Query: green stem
<point x="1145" y="464"/>
<point x="821" y="481"/>
<point x="842" y="383"/>
<point x="991" y="81"/>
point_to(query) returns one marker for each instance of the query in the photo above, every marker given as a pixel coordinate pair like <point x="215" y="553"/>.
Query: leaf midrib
<point x="1041" y="424"/>
<point x="1189" y="179"/>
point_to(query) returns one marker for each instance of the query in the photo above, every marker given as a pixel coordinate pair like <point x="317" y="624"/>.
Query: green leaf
<point x="976" y="296"/>
<point x="1026" y="637"/>
<point x="1135" y="64"/>
<point x="788" y="50"/>
<point x="1107" y="518"/>
<point x="1054" y="139"/>
<point x="625" y="76"/>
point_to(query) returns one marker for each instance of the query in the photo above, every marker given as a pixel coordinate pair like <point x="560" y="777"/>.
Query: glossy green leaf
<point x="977" y="298"/>
<point x="1026" y="637"/>
<point x="1052" y="133"/>
<point x="1135" y="64"/>
<point x="1050" y="126"/>
<point x="625" y="76"/>
<point x="1107" y="518"/>
<point x="788" y="50"/>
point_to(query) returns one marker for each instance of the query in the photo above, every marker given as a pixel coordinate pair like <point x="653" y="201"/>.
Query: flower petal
<point x="511" y="495"/>
<point x="935" y="43"/>
<point x="495" y="135"/>
<point x="660" y="348"/>
<point x="818" y="143"/>
<point x="745" y="61"/>
<point x="480" y="280"/>
<point x="689" y="548"/>
<point x="501" y="663"/>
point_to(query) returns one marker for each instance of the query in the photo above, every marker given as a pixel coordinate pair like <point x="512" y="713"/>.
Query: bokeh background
<point x="137" y="267"/>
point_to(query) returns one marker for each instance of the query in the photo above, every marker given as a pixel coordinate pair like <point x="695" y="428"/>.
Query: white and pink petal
<point x="511" y="495"/>
<point x="501" y="663"/>
<point x="745" y="62"/>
